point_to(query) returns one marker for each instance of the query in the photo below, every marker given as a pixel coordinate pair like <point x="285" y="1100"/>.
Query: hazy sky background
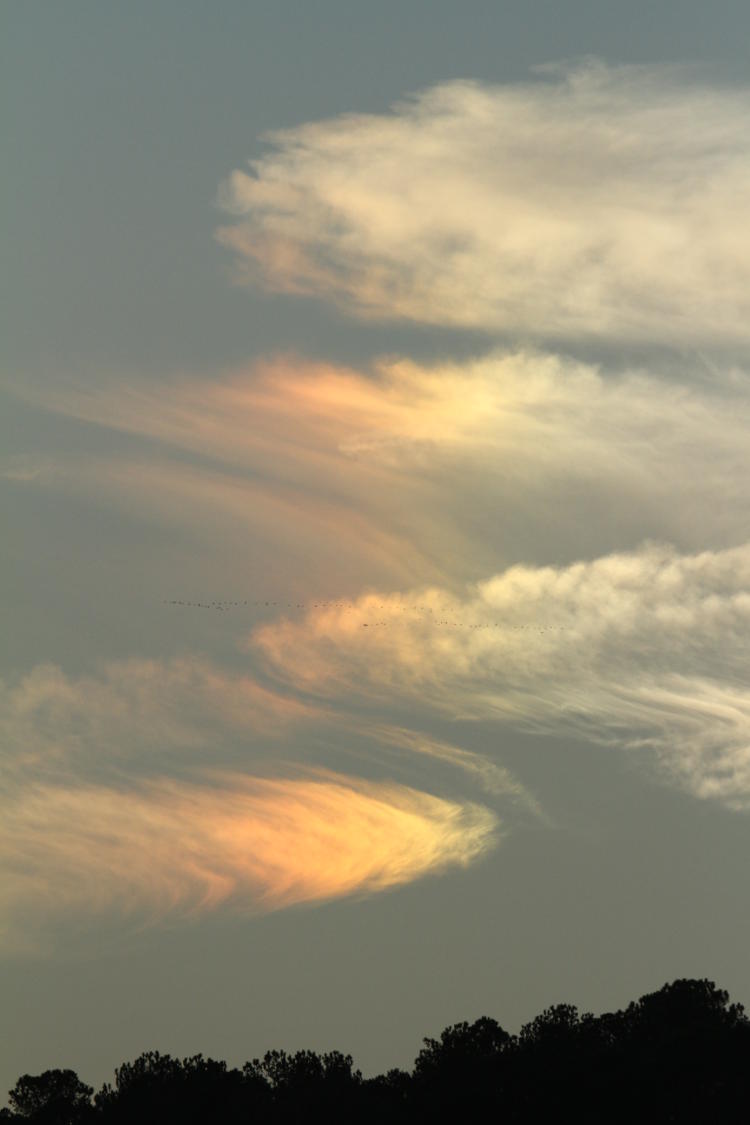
<point x="423" y="334"/>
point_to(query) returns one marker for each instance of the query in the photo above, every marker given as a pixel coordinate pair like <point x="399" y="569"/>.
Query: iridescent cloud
<point x="410" y="472"/>
<point x="154" y="789"/>
<point x="167" y="787"/>
<point x="646" y="649"/>
<point x="52" y="722"/>
<point x="532" y="440"/>
<point x="597" y="201"/>
<point x="170" y="847"/>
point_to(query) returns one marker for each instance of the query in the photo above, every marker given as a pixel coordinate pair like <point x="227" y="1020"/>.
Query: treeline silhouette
<point x="681" y="1054"/>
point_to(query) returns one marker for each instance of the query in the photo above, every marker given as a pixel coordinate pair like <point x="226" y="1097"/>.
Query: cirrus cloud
<point x="171" y="847"/>
<point x="644" y="649"/>
<point x="411" y="472"/>
<point x="593" y="202"/>
<point x="159" y="789"/>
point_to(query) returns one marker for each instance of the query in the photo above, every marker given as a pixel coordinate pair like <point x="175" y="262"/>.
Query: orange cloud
<point x="256" y="844"/>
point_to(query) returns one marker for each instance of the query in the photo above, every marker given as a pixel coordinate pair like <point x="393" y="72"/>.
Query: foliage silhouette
<point x="307" y="1086"/>
<point x="56" y="1097"/>
<point x="681" y="1054"/>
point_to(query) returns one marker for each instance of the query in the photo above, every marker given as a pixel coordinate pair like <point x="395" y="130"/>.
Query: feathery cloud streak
<point x="599" y="202"/>
<point x="530" y="437"/>
<point x="51" y="723"/>
<point x="644" y="649"/>
<point x="431" y="473"/>
<point x="171" y="847"/>
<point x="602" y="204"/>
<point x="156" y="789"/>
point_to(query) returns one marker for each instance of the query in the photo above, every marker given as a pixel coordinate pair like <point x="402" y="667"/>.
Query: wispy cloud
<point x="155" y="789"/>
<point x="601" y="203"/>
<point x="454" y="460"/>
<point x="492" y="777"/>
<point x="596" y="201"/>
<point x="409" y="472"/>
<point x="170" y="847"/>
<point x="647" y="649"/>
<point x="51" y="722"/>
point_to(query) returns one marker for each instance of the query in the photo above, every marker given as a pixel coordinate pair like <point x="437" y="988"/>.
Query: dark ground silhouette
<point x="681" y="1054"/>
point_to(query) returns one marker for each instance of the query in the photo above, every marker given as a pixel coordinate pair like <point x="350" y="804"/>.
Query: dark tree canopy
<point x="681" y="1054"/>
<point x="57" y="1097"/>
<point x="461" y="1044"/>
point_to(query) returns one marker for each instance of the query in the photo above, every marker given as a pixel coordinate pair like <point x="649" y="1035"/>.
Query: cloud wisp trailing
<point x="647" y="649"/>
<point x="426" y="472"/>
<point x="633" y="649"/>
<point x="170" y="847"/>
<point x="157" y="790"/>
<point x="593" y="202"/>
<point x="51" y="722"/>
<point x="597" y="204"/>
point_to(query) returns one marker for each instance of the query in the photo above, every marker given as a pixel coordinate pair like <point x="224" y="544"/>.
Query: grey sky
<point x="166" y="433"/>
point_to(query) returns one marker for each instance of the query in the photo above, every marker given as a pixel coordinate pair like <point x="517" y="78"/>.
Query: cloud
<point x="646" y="649"/>
<point x="597" y="204"/>
<point x="132" y="709"/>
<point x="265" y="465"/>
<point x="467" y="465"/>
<point x="171" y="847"/>
<point x="159" y="789"/>
<point x="593" y="202"/>
<point x="407" y="472"/>
<point x="493" y="778"/>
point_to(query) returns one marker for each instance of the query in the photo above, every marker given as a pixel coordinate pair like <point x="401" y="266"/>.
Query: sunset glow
<point x="257" y="843"/>
<point x="375" y="569"/>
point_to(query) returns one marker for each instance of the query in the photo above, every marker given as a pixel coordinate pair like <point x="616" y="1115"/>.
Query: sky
<point x="375" y="567"/>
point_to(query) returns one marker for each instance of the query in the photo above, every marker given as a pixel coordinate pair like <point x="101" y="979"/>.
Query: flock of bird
<point x="224" y="606"/>
<point x="232" y="605"/>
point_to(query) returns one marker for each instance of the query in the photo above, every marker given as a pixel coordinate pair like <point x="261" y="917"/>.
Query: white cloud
<point x="598" y="202"/>
<point x="646" y="649"/>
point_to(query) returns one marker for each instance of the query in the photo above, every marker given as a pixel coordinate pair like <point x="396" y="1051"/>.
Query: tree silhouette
<point x="686" y="1042"/>
<point x="681" y="1054"/>
<point x="163" y="1089"/>
<point x="56" y="1097"/>
<point x="462" y="1071"/>
<point x="305" y="1084"/>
